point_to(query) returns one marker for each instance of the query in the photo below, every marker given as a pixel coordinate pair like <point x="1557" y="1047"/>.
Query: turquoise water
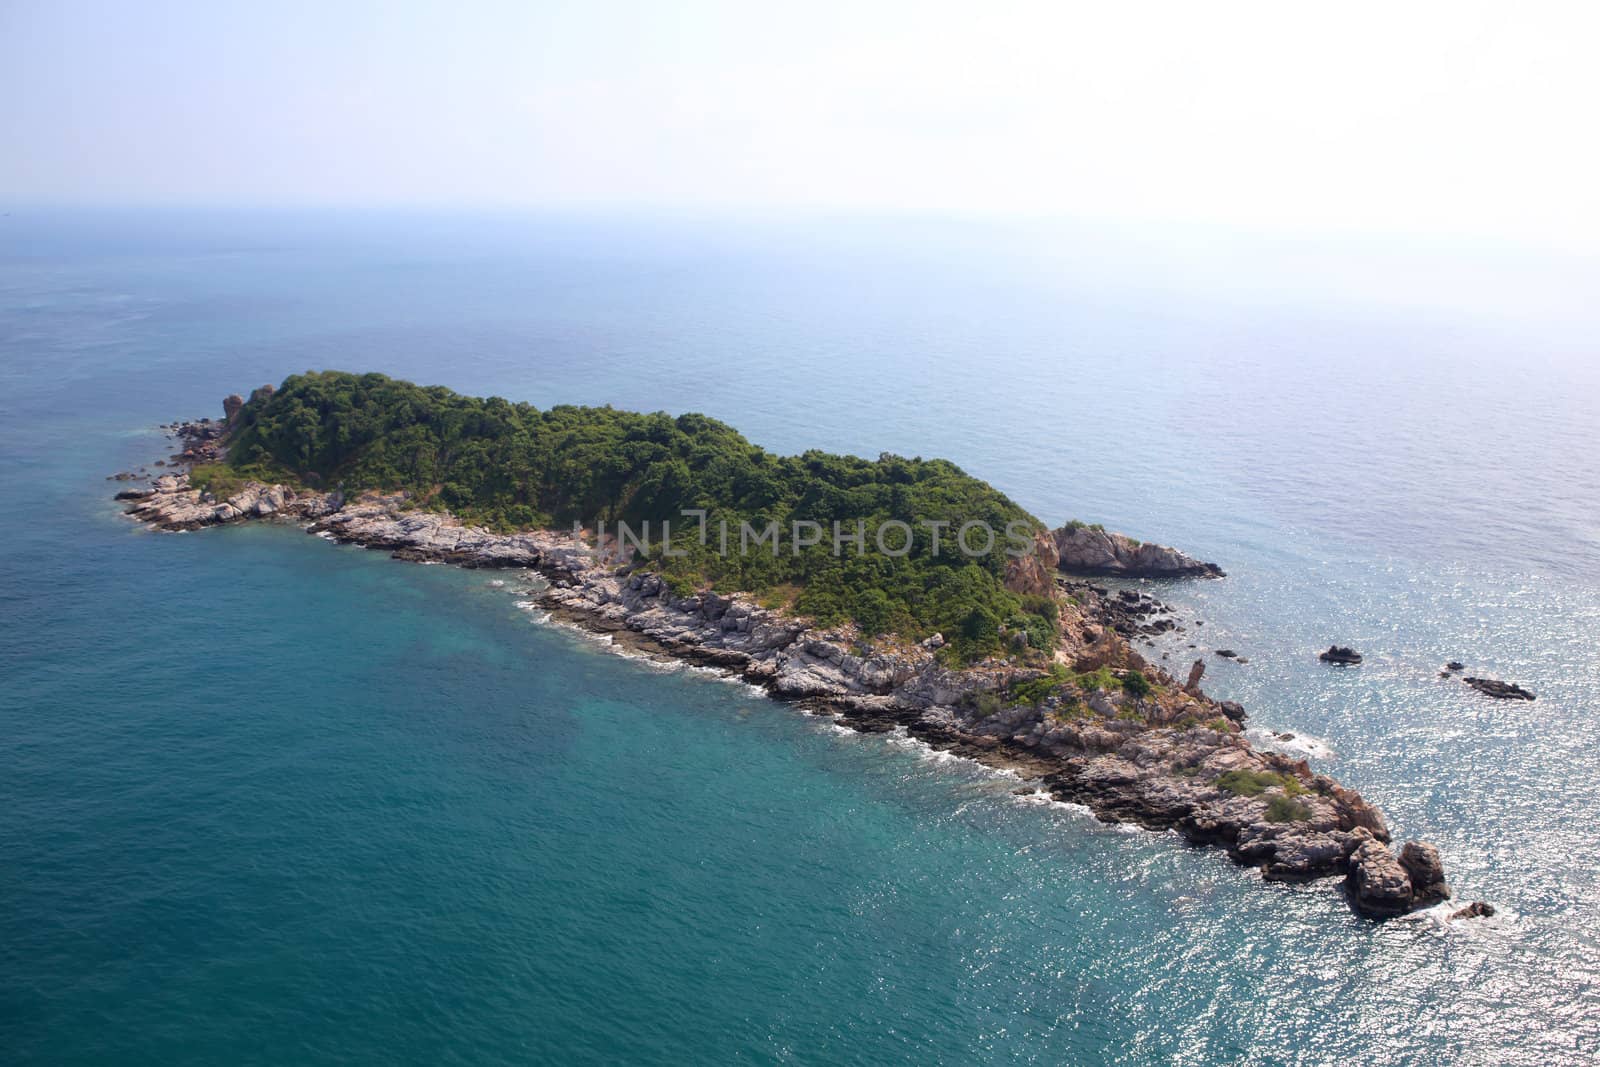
<point x="268" y="800"/>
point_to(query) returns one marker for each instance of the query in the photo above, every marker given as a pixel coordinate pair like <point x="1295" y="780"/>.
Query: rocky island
<point x="996" y="655"/>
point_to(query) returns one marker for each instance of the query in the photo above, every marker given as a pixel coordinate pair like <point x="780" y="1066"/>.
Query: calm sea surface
<point x="268" y="800"/>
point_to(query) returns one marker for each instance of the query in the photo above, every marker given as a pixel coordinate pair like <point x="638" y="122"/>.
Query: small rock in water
<point x="1499" y="690"/>
<point x="1227" y="653"/>
<point x="1241" y="659"/>
<point x="1455" y="665"/>
<point x="1476" y="910"/>
<point x="1340" y="654"/>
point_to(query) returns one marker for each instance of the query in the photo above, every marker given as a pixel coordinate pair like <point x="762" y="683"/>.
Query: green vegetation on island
<point x="1246" y="783"/>
<point x="514" y="466"/>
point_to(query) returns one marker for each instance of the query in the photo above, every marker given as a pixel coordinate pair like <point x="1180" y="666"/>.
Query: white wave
<point x="900" y="738"/>
<point x="1295" y="744"/>
<point x="536" y="613"/>
<point x="727" y="677"/>
<point x="1042" y="798"/>
<point x="716" y="673"/>
<point x="1438" y="917"/>
<point x="658" y="663"/>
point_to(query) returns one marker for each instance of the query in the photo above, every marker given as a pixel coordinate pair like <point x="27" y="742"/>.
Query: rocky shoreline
<point x="1170" y="758"/>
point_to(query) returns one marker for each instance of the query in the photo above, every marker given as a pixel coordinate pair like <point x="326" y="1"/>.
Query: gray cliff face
<point x="1129" y="759"/>
<point x="1092" y="550"/>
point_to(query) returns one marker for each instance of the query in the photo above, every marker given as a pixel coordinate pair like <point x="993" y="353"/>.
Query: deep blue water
<point x="267" y="800"/>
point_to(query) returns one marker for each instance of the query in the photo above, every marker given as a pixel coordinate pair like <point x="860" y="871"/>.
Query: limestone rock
<point x="1426" y="872"/>
<point x="1091" y="550"/>
<point x="1034" y="573"/>
<point x="1379" y="885"/>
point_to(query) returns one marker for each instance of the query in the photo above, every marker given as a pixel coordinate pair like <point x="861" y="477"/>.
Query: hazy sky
<point x="1458" y="118"/>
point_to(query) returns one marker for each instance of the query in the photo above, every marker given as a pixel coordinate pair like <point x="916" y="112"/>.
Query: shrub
<point x="678" y="586"/>
<point x="1043" y="606"/>
<point x="1101" y="679"/>
<point x="1034" y="691"/>
<point x="1137" y="684"/>
<point x="223" y="481"/>
<point x="984" y="703"/>
<point x="1283" y="809"/>
<point x="1254" y="783"/>
<point x="1071" y="709"/>
<point x="1246" y="783"/>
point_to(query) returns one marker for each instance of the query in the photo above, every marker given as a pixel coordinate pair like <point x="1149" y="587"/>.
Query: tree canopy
<point x="514" y="466"/>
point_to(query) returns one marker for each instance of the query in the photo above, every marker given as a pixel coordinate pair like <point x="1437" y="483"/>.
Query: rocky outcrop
<point x="1476" y="910"/>
<point x="1499" y="690"/>
<point x="1130" y="612"/>
<point x="231" y="406"/>
<point x="1426" y="872"/>
<point x="1378" y="884"/>
<point x="1034" y="573"/>
<point x="1383" y="884"/>
<point x="170" y="504"/>
<point x="1091" y="550"/>
<point x="1341" y="654"/>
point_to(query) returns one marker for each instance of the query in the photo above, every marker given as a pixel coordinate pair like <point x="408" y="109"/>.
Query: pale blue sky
<point x="1443" y="118"/>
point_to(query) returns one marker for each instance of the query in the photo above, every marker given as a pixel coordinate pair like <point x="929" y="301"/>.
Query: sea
<point x="269" y="800"/>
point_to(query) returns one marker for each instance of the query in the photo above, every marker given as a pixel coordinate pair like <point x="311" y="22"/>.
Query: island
<point x="894" y="593"/>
